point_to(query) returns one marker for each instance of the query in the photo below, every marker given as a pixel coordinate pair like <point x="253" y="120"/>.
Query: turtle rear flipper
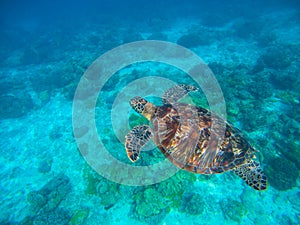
<point x="135" y="140"/>
<point x="252" y="173"/>
<point x="177" y="92"/>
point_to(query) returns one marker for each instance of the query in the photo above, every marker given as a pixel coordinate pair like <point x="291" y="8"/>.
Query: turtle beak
<point x="133" y="101"/>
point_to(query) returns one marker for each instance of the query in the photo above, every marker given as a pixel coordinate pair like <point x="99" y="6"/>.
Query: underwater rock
<point x="275" y="58"/>
<point x="49" y="196"/>
<point x="15" y="106"/>
<point x="59" y="216"/>
<point x="36" y="200"/>
<point x="282" y="173"/>
<point x="192" y="203"/>
<point x="192" y="40"/>
<point x="233" y="210"/>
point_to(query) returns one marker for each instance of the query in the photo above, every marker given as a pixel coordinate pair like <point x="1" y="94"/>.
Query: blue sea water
<point x="48" y="174"/>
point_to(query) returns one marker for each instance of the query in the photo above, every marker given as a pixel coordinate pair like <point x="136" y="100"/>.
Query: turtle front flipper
<point x="136" y="139"/>
<point x="252" y="173"/>
<point x="177" y="92"/>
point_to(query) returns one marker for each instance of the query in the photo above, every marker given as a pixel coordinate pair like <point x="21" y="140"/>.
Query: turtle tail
<point x="252" y="174"/>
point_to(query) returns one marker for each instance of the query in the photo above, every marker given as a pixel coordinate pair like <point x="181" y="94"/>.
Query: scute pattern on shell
<point x="190" y="146"/>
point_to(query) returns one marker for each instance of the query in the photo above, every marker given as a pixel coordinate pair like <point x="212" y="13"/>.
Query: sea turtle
<point x="185" y="135"/>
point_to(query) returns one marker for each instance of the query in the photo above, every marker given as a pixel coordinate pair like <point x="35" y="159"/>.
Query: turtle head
<point x="142" y="106"/>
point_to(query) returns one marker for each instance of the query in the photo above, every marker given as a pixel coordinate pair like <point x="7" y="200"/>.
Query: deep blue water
<point x="54" y="110"/>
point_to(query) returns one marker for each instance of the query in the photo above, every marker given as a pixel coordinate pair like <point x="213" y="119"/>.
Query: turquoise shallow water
<point x="253" y="52"/>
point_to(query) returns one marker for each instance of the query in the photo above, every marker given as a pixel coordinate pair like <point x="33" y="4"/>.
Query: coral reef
<point x="233" y="210"/>
<point x="275" y="58"/>
<point x="198" y="35"/>
<point x="106" y="190"/>
<point x="155" y="201"/>
<point x="80" y="217"/>
<point x="217" y="68"/>
<point x="175" y="186"/>
<point x="254" y="52"/>
<point x="252" y="118"/>
<point x="49" y="78"/>
<point x="285" y="80"/>
<point x="151" y="203"/>
<point x="260" y="86"/>
<point x="282" y="173"/>
<point x="286" y="132"/>
<point x="192" y="203"/>
<point x="15" y="106"/>
<point x="293" y="153"/>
